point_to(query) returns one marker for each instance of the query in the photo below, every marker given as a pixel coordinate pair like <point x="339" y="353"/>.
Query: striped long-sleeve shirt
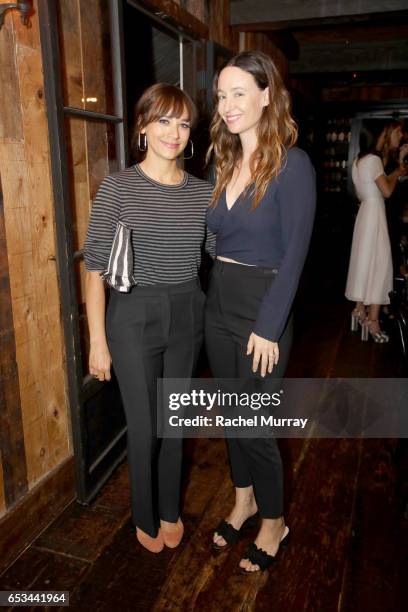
<point x="167" y="224"/>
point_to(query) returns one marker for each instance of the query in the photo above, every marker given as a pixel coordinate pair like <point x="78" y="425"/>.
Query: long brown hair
<point x="371" y="130"/>
<point x="158" y="101"/>
<point x="277" y="131"/>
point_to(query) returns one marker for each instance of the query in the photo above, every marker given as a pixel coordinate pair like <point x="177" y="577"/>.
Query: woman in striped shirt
<point x="153" y="213"/>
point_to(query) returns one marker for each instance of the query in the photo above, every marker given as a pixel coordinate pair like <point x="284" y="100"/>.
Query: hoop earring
<point x="192" y="150"/>
<point x="139" y="144"/>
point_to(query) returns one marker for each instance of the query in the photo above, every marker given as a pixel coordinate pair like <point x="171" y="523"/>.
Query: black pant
<point x="153" y="332"/>
<point x="233" y="300"/>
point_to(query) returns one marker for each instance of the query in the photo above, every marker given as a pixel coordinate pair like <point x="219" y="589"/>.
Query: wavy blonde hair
<point x="277" y="131"/>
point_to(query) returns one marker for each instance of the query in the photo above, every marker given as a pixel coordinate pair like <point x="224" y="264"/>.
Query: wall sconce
<point x="24" y="6"/>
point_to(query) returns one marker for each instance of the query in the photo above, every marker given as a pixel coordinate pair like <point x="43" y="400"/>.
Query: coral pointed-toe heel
<point x="154" y="545"/>
<point x="173" y="538"/>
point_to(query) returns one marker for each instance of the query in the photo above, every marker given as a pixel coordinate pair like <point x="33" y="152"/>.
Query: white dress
<point x="370" y="273"/>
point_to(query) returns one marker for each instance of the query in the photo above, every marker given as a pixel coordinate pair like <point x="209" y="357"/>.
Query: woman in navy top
<point x="262" y="214"/>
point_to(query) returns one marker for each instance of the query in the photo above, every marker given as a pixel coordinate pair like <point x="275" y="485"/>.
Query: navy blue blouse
<point x="276" y="234"/>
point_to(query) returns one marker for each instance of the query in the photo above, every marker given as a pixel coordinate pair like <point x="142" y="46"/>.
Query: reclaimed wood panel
<point x="46" y="295"/>
<point x="197" y="8"/>
<point x="36" y="447"/>
<point x="10" y="117"/>
<point x="44" y="342"/>
<point x="14" y="469"/>
<point x="27" y="35"/>
<point x="29" y="222"/>
<point x="34" y="118"/>
<point x="219" y="22"/>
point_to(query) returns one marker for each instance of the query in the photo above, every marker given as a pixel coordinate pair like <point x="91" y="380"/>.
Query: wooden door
<point x="82" y="55"/>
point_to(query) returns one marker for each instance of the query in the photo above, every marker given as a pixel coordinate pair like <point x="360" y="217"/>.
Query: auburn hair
<point x="276" y="130"/>
<point x="158" y="101"/>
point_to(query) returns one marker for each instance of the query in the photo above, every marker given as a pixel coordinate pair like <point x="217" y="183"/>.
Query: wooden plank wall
<point x="261" y="42"/>
<point x="219" y="22"/>
<point x="197" y="8"/>
<point x="188" y="13"/>
<point x="30" y="245"/>
<point x="13" y="459"/>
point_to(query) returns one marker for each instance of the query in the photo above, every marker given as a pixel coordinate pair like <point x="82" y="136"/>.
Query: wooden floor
<point x="345" y="503"/>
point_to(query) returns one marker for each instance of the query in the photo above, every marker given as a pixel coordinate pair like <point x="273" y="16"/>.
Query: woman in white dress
<point x="370" y="272"/>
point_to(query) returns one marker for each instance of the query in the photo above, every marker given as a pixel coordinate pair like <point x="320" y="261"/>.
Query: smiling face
<point x="240" y="101"/>
<point x="167" y="136"/>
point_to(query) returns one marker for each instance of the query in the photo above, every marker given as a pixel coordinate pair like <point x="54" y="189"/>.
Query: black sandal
<point x="230" y="534"/>
<point x="259" y="557"/>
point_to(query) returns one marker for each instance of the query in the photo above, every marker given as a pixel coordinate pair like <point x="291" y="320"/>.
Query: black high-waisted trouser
<point x="153" y="332"/>
<point x="233" y="300"/>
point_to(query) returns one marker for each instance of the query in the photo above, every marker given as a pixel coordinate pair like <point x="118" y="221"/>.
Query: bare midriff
<point x="228" y="260"/>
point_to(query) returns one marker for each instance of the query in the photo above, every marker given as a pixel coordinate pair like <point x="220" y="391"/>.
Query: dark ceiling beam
<point x="177" y="15"/>
<point x="353" y="57"/>
<point x="385" y="18"/>
<point x="351" y="33"/>
<point x="286" y="42"/>
<point x="244" y="11"/>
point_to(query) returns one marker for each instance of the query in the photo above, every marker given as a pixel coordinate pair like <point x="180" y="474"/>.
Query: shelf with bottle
<point x="338" y="130"/>
<point x="337" y="136"/>
<point x="334" y="182"/>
